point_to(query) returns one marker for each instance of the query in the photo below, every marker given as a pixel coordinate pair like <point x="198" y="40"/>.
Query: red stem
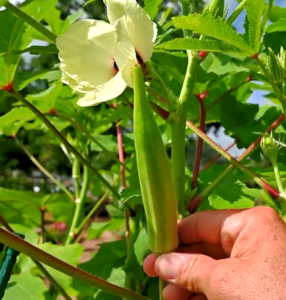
<point x="231" y="90"/>
<point x="200" y="143"/>
<point x="217" y="157"/>
<point x="121" y="153"/>
<point x="194" y="204"/>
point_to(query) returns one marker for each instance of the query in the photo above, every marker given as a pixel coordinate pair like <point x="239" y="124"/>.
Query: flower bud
<point x="276" y="67"/>
<point x="270" y="147"/>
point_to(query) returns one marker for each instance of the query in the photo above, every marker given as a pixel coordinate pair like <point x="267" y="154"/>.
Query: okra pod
<point x="157" y="188"/>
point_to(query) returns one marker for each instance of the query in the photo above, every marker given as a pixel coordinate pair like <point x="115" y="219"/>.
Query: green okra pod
<point x="154" y="171"/>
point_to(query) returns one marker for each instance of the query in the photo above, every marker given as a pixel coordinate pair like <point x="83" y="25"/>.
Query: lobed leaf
<point x="254" y="12"/>
<point x="217" y="28"/>
<point x="207" y="44"/>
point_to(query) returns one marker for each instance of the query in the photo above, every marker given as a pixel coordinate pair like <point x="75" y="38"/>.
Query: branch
<point x="26" y="103"/>
<point x="200" y="142"/>
<point x="194" y="204"/>
<point x="21" y="245"/>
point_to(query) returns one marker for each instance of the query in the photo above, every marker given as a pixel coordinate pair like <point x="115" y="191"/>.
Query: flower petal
<point x="86" y="54"/>
<point x="142" y="31"/>
<point x="124" y="51"/>
<point x="115" y="10"/>
<point x="107" y="91"/>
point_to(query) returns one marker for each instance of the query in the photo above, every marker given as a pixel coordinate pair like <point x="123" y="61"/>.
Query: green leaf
<point x="277" y="26"/>
<point x="16" y="35"/>
<point x="97" y="229"/>
<point x="34" y="50"/>
<point x="21" y="80"/>
<point x="25" y="286"/>
<point x="11" y="122"/>
<point x="217" y="28"/>
<point x="206" y="44"/>
<point x="59" y="26"/>
<point x="3" y="2"/>
<point x="107" y="264"/>
<point x="134" y="262"/>
<point x="151" y="7"/>
<point x="71" y="254"/>
<point x="277" y="13"/>
<point x="131" y="196"/>
<point x="20" y="206"/>
<point x="107" y="140"/>
<point x="46" y="100"/>
<point x="254" y="12"/>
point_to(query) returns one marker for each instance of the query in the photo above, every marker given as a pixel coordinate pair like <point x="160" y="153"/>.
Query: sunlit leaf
<point x="211" y="45"/>
<point x="217" y="28"/>
<point x="277" y="26"/>
<point x="254" y="11"/>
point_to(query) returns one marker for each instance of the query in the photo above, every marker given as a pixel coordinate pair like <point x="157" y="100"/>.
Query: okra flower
<point x="97" y="58"/>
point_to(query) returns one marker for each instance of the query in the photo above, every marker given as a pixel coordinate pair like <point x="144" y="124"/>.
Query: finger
<point x="213" y="251"/>
<point x="174" y="292"/>
<point x="204" y="226"/>
<point x="189" y="271"/>
<point x="149" y="264"/>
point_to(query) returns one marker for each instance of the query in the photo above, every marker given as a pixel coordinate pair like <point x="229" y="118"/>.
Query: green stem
<point x="35" y="24"/>
<point x="186" y="10"/>
<point x="80" y="197"/>
<point x="83" y="129"/>
<point x="93" y="210"/>
<point x="44" y="170"/>
<point x="53" y="282"/>
<point x="22" y="246"/>
<point x="236" y="12"/>
<point x="19" y="97"/>
<point x="178" y="128"/>
<point x="278" y="177"/>
<point x="271" y="81"/>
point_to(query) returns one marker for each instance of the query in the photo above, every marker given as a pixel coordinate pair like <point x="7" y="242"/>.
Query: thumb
<point x="190" y="271"/>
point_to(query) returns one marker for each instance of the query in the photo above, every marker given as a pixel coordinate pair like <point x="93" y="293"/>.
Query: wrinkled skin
<point x="226" y="255"/>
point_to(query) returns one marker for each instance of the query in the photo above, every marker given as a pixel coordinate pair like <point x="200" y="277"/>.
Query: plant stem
<point x="196" y="201"/>
<point x="178" y="128"/>
<point x="200" y="143"/>
<point x="21" y="245"/>
<point x="93" y="210"/>
<point x="42" y="211"/>
<point x="217" y="157"/>
<point x="19" y="97"/>
<point x="53" y="282"/>
<point x="79" y="203"/>
<point x="35" y="24"/>
<point x="44" y="170"/>
<point x="226" y="155"/>
<point x="236" y="12"/>
<point x="83" y="129"/>
<point x="121" y="152"/>
<point x="278" y="177"/>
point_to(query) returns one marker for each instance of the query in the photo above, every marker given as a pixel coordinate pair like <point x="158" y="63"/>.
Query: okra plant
<point x="115" y="103"/>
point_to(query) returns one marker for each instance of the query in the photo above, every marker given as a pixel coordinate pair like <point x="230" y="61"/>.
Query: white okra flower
<point x="97" y="58"/>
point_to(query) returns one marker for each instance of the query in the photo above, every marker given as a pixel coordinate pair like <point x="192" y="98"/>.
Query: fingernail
<point x="167" y="265"/>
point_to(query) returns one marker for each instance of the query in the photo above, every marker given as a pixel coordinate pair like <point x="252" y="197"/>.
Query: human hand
<point x="226" y="255"/>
